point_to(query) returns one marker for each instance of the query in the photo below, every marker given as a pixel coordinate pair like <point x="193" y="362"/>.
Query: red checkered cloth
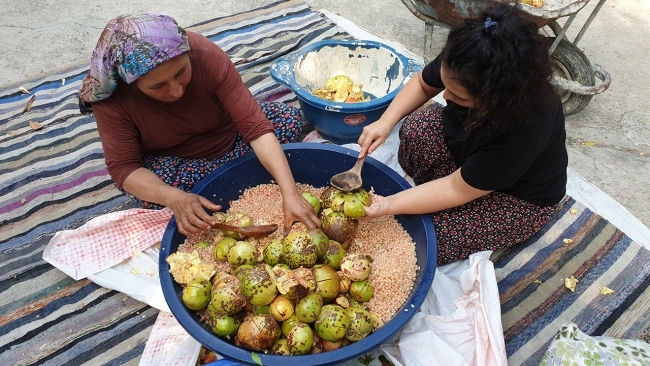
<point x="169" y="344"/>
<point x="111" y="239"/>
<point x="105" y="241"/>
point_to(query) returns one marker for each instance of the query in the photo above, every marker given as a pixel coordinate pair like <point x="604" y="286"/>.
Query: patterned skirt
<point x="184" y="174"/>
<point x="496" y="220"/>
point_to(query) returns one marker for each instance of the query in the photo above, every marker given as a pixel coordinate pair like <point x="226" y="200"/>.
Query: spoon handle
<point x="356" y="169"/>
<point x="254" y="231"/>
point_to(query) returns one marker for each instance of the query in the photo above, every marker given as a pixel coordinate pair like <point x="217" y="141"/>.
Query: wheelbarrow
<point x="574" y="78"/>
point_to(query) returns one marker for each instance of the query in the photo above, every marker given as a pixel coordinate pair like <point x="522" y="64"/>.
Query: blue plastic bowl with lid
<point x="381" y="70"/>
<point x="312" y="164"/>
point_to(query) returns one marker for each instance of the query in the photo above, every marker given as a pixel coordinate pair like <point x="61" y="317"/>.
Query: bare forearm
<point x="411" y="97"/>
<point x="189" y="209"/>
<point x="147" y="186"/>
<point x="295" y="207"/>
<point x="270" y="153"/>
<point x="437" y="195"/>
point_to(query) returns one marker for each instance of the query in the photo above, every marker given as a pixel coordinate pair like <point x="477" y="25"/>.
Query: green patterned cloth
<point x="571" y="347"/>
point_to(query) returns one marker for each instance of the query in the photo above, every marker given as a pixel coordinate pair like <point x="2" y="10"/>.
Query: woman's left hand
<point x="377" y="208"/>
<point x="296" y="208"/>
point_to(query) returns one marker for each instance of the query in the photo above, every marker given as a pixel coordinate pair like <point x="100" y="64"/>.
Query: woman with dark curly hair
<point x="491" y="165"/>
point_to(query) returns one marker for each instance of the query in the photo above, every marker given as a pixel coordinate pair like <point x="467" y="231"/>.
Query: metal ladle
<point x="252" y="231"/>
<point x="349" y="180"/>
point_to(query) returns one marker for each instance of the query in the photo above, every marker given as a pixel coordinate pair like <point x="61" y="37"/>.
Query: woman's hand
<point x="377" y="208"/>
<point x="296" y="208"/>
<point x="294" y="205"/>
<point x="373" y="136"/>
<point x="189" y="212"/>
<point x="188" y="208"/>
<point x="411" y="97"/>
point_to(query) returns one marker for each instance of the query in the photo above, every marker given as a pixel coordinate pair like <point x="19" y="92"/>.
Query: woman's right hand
<point x="373" y="136"/>
<point x="189" y="211"/>
<point x="188" y="208"/>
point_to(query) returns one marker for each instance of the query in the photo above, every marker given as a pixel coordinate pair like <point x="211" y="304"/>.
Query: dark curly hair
<point x="503" y="61"/>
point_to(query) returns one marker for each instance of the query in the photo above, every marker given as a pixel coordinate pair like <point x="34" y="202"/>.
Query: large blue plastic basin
<point x="312" y="164"/>
<point x="380" y="69"/>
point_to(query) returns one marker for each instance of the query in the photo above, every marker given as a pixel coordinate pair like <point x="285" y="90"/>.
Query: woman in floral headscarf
<point x="171" y="108"/>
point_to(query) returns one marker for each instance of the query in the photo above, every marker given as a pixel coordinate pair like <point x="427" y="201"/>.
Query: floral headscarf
<point x="129" y="47"/>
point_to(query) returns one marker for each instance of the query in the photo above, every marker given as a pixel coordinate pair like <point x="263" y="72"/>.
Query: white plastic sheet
<point x="460" y="321"/>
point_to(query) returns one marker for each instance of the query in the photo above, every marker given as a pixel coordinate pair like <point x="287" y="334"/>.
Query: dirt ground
<point x="43" y="35"/>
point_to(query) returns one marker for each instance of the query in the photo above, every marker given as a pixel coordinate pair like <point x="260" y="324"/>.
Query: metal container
<point x="575" y="77"/>
<point x="312" y="164"/>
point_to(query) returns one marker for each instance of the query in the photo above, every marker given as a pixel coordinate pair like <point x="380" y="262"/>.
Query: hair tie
<point x="490" y="25"/>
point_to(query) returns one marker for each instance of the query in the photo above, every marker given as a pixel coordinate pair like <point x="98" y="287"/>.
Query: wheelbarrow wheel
<point x="556" y="28"/>
<point x="573" y="65"/>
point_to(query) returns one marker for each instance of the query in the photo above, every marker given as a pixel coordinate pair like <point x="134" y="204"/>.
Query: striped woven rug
<point x="54" y="178"/>
<point x="535" y="302"/>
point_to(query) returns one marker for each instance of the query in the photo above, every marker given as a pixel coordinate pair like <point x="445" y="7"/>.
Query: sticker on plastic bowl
<point x="354" y="119"/>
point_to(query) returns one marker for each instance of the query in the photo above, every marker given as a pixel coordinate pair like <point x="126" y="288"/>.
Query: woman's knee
<point x="419" y="125"/>
<point x="286" y="119"/>
<point x="410" y="126"/>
